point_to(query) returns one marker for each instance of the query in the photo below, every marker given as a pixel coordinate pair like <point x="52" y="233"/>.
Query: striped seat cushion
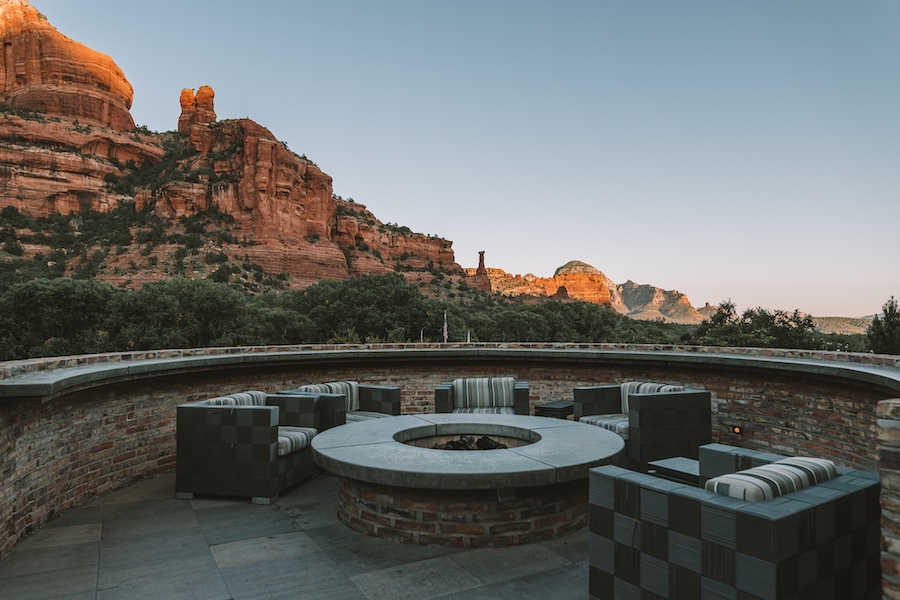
<point x="251" y="398"/>
<point x="350" y="389"/>
<point x="484" y="392"/>
<point x="615" y="423"/>
<point x="642" y="387"/>
<point x="775" y="479"/>
<point x="488" y="410"/>
<point x="293" y="439"/>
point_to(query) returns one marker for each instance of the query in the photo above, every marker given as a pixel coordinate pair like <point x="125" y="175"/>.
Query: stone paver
<point x="139" y="542"/>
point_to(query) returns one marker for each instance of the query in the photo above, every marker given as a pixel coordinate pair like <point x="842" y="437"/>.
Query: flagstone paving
<point x="140" y="542"/>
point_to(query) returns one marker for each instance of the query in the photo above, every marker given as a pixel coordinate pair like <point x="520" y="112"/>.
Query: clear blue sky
<point x="743" y="150"/>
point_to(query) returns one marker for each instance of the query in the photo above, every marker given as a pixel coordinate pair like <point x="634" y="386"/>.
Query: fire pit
<point x="393" y="485"/>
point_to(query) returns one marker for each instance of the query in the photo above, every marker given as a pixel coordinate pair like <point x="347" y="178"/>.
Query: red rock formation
<point x="196" y="108"/>
<point x="62" y="154"/>
<point x="375" y="247"/>
<point x="574" y="280"/>
<point x="482" y="280"/>
<point x="45" y="71"/>
<point x="579" y="281"/>
<point x="50" y="166"/>
<point x="56" y="157"/>
<point x="284" y="206"/>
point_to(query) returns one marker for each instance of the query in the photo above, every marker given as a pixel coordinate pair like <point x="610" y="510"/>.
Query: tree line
<point x="64" y="316"/>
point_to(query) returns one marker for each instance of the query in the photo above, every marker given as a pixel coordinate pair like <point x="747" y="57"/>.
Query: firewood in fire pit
<point x="468" y="442"/>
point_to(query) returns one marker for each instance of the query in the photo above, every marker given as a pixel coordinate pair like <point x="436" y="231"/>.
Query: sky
<point x="728" y="150"/>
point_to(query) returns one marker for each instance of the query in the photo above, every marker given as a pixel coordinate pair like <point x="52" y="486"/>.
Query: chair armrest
<point x="521" y="400"/>
<point x="332" y="410"/>
<point x="443" y="397"/>
<point x="379" y="398"/>
<point x="296" y="410"/>
<point x="667" y="424"/>
<point x="597" y="400"/>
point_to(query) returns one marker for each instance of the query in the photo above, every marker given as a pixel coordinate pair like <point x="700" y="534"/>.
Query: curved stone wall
<point x="72" y="428"/>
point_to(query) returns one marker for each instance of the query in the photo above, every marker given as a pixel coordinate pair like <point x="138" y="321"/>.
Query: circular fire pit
<point x="533" y="490"/>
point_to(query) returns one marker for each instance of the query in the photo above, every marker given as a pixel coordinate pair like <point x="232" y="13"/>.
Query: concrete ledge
<point x="55" y="380"/>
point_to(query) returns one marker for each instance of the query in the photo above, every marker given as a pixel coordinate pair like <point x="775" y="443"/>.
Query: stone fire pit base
<point x="463" y="518"/>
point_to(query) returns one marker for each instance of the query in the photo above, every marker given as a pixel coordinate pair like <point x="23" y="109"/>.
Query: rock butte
<point x="48" y="72"/>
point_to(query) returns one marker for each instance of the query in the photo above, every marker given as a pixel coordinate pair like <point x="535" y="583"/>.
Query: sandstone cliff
<point x="575" y="280"/>
<point x="68" y="145"/>
<point x="64" y="120"/>
<point x="45" y="71"/>
<point x="283" y="204"/>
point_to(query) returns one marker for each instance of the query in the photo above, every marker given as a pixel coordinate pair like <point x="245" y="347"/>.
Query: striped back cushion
<point x="484" y="392"/>
<point x="490" y="410"/>
<point x="775" y="479"/>
<point x="350" y="389"/>
<point x="251" y="398"/>
<point x="641" y="387"/>
<point x="292" y="439"/>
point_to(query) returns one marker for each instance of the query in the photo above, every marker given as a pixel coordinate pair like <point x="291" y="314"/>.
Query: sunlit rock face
<point x="575" y="280"/>
<point x="65" y="125"/>
<point x="196" y="108"/>
<point x="46" y="71"/>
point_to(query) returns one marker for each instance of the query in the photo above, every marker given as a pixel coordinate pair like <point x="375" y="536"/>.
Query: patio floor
<point x="140" y="542"/>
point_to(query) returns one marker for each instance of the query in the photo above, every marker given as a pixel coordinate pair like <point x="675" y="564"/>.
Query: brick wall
<point x="59" y="452"/>
<point x="889" y="465"/>
<point x="463" y="518"/>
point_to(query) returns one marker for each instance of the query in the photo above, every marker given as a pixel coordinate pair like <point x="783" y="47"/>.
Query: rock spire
<point x="482" y="280"/>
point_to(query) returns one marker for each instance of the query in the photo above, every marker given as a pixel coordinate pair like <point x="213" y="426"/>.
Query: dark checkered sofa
<point x="482" y="395"/>
<point x="655" y="420"/>
<point x="249" y="444"/>
<point x="361" y="401"/>
<point x="653" y="538"/>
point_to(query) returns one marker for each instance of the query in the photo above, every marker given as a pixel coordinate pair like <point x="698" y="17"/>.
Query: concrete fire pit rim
<point x="370" y="451"/>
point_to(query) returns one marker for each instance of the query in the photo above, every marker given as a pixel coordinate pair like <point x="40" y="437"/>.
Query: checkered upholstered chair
<point x="784" y="529"/>
<point x="249" y="444"/>
<point x="361" y="401"/>
<point x="482" y="395"/>
<point x="656" y="420"/>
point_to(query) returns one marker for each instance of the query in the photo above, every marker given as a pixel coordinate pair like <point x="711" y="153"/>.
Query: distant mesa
<point x="577" y="280"/>
<point x="576" y="267"/>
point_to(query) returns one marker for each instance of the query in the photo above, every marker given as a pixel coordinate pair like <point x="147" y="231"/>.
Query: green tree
<point x="54" y="317"/>
<point x="181" y="313"/>
<point x="884" y="332"/>
<point x="374" y="307"/>
<point x="756" y="327"/>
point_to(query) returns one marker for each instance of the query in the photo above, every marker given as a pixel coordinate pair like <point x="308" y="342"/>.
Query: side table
<point x="561" y="409"/>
